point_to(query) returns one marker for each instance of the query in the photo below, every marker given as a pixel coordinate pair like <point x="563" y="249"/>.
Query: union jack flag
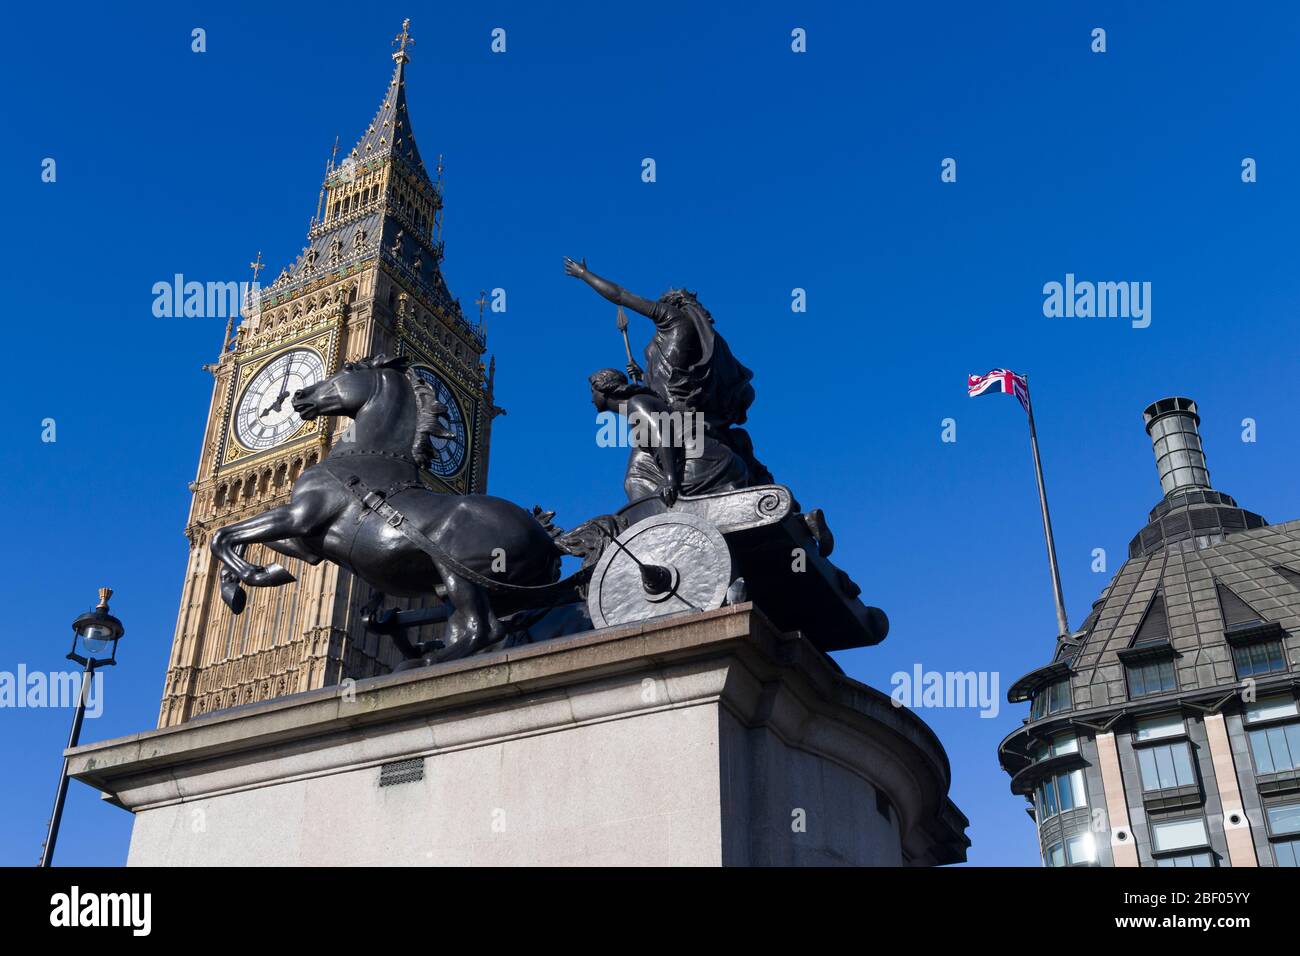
<point x="1000" y="379"/>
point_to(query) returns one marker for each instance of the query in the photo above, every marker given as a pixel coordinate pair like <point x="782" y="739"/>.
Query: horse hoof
<point x="234" y="596"/>
<point x="270" y="576"/>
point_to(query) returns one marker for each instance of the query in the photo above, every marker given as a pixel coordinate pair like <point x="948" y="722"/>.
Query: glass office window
<point x="1081" y="849"/>
<point x="1058" y="745"/>
<point x="1270" y="708"/>
<point x="1154" y="728"/>
<point x="1064" y="792"/>
<point x="1287" y="853"/>
<point x="1065" y="744"/>
<point x="1153" y="678"/>
<point x="1178" y="834"/>
<point x="1187" y="859"/>
<point x="1266" y="657"/>
<point x="1276" y="749"/>
<point x="1061" y="792"/>
<point x="1047" y="799"/>
<point x="1055" y="855"/>
<point x="1070" y="789"/>
<point x="1166" y="765"/>
<point x="1052" y="699"/>
<point x="1283" y="818"/>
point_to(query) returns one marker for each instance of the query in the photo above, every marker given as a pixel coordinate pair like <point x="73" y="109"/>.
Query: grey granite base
<point x="705" y="739"/>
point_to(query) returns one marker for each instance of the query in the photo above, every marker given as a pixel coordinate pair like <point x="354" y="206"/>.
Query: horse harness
<point x="376" y="502"/>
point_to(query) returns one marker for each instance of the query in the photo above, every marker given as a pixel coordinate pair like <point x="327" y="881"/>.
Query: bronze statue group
<point x="495" y="566"/>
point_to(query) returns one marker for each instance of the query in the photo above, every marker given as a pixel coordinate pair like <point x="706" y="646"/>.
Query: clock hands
<point x="265" y="417"/>
<point x="274" y="406"/>
<point x="284" y="393"/>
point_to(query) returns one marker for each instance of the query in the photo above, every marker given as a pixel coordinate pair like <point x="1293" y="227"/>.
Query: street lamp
<point x="94" y="644"/>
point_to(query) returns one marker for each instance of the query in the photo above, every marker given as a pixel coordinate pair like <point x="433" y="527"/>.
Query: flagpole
<point x="1061" y="620"/>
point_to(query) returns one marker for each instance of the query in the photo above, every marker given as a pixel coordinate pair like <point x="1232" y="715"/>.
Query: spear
<point x="621" y="322"/>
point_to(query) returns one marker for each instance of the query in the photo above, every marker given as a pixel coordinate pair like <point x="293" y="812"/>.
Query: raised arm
<point x="611" y="290"/>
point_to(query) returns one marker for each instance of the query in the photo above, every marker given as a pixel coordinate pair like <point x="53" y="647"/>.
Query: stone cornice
<point x="731" y="658"/>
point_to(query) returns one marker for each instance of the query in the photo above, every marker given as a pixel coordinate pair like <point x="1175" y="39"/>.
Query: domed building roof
<point x="1199" y="625"/>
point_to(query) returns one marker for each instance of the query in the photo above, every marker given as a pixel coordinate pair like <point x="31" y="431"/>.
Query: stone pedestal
<point x="704" y="739"/>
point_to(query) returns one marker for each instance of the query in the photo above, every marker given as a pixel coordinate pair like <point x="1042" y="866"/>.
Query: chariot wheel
<point x="665" y="564"/>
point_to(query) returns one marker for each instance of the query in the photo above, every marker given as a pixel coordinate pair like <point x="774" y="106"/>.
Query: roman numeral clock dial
<point x="448" y="453"/>
<point x="265" y="415"/>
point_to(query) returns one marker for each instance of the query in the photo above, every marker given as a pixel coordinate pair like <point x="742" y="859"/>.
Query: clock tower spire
<point x="369" y="280"/>
<point x="400" y="41"/>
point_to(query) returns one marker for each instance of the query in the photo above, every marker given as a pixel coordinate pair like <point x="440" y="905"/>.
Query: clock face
<point x="265" y="416"/>
<point x="448" y="453"/>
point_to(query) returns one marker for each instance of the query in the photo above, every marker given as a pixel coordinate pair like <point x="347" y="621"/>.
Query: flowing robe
<point x="691" y="367"/>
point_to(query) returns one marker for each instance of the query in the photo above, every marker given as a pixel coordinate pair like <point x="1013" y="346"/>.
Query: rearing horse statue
<point x="365" y="508"/>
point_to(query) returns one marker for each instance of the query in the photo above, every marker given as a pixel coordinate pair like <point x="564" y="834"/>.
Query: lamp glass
<point x="96" y="638"/>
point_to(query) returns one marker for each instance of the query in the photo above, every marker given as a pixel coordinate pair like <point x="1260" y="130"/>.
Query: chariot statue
<point x="704" y="523"/>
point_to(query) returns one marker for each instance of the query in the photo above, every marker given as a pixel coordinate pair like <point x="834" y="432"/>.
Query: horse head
<point x="396" y="417"/>
<point x="388" y="401"/>
<point x="348" y="390"/>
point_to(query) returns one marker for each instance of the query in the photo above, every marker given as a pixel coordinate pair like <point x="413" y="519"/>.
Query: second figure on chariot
<point x="690" y="371"/>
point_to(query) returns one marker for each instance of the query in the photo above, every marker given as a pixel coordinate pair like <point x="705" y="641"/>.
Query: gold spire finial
<point x="481" y="302"/>
<point x="401" y="41"/>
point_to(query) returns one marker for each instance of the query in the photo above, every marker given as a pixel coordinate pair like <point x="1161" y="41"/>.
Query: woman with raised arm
<point x="688" y="364"/>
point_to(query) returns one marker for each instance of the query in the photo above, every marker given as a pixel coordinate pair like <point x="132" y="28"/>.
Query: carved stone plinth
<point x="703" y="739"/>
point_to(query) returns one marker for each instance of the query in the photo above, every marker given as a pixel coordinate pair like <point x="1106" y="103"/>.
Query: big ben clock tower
<point x="368" y="281"/>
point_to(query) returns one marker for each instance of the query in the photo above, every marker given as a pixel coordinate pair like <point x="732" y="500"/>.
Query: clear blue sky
<point x="775" y="171"/>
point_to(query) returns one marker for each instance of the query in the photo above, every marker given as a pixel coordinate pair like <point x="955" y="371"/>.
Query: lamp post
<point x="93" y="634"/>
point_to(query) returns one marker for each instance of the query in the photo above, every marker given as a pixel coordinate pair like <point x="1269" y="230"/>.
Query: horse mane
<point x="427" y="407"/>
<point x="428" y="410"/>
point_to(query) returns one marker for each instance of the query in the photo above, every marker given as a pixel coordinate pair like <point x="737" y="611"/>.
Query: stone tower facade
<point x="368" y="281"/>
